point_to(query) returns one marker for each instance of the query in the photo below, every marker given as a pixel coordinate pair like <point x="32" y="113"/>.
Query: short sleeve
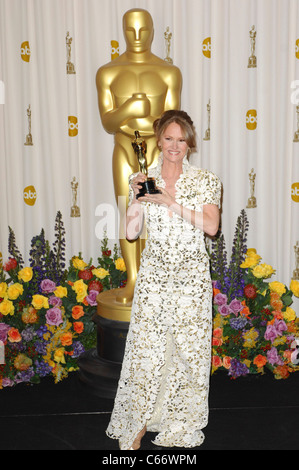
<point x="210" y="188"/>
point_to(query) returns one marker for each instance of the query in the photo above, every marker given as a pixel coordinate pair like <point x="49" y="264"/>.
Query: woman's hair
<point x="182" y="119"/>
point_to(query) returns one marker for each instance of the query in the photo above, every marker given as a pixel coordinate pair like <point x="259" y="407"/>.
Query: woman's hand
<point x="135" y="183"/>
<point x="163" y="199"/>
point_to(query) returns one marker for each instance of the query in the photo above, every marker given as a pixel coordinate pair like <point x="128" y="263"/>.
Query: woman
<point x="164" y="382"/>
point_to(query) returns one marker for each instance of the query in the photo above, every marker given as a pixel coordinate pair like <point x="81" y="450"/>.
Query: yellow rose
<point x="40" y="301"/>
<point x="277" y="287"/>
<point x="289" y="314"/>
<point x="60" y="292"/>
<point x="79" y="264"/>
<point x="294" y="287"/>
<point x="251" y="251"/>
<point x="249" y="262"/>
<point x="263" y="271"/>
<point x="3" y="290"/>
<point x="25" y="274"/>
<point x="81" y="290"/>
<point x="100" y="273"/>
<point x="7" y="307"/>
<point x="22" y="362"/>
<point x="120" y="264"/>
<point x="14" y="291"/>
<point x="252" y="258"/>
<point x="59" y="356"/>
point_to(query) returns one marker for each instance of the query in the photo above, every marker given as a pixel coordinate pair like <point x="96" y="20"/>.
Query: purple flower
<point x="236" y="306"/>
<point x="4" y="328"/>
<point x="91" y="298"/>
<point x="224" y="310"/>
<point x="280" y="326"/>
<point x="55" y="301"/>
<point x="270" y="333"/>
<point x="238" y="323"/>
<point x="47" y="286"/>
<point x="277" y="329"/>
<point x="237" y="368"/>
<point x="274" y="358"/>
<point x="220" y="299"/>
<point x="53" y="316"/>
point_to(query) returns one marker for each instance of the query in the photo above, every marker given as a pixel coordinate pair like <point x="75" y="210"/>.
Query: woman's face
<point x="173" y="144"/>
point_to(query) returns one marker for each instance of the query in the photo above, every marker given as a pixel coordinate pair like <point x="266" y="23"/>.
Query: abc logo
<point x="295" y="192"/>
<point x="297" y="48"/>
<point x="251" y="119"/>
<point x="73" y="126"/>
<point x="114" y="49"/>
<point x="30" y="195"/>
<point x="206" y="47"/>
<point x="25" y="51"/>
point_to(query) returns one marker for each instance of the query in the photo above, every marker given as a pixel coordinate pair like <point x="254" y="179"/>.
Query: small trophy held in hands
<point x="149" y="185"/>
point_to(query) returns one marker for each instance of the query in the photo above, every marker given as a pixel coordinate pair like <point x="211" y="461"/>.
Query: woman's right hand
<point x="135" y="183"/>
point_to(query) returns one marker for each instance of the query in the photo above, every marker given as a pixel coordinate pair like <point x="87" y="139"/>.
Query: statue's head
<point x="138" y="30"/>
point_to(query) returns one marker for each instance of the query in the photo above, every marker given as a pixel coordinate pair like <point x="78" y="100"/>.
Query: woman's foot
<point x="137" y="442"/>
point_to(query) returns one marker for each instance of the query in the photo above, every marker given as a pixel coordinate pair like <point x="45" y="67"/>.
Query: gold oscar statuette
<point x="167" y="37"/>
<point x="149" y="185"/>
<point x="29" y="135"/>
<point x="70" y="68"/>
<point x="75" y="210"/>
<point x="296" y="270"/>
<point x="296" y="134"/>
<point x="252" y="59"/>
<point x="252" y="200"/>
<point x="207" y="133"/>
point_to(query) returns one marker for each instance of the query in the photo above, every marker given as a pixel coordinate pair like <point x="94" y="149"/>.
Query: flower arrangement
<point x="46" y="310"/>
<point x="254" y="326"/>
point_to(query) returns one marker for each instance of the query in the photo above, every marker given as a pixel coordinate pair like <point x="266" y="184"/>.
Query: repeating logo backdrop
<point x="240" y="64"/>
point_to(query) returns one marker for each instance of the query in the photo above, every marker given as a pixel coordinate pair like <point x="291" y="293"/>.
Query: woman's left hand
<point x="164" y="199"/>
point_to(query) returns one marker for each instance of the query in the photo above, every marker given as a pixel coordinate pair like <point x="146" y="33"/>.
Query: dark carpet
<point x="253" y="413"/>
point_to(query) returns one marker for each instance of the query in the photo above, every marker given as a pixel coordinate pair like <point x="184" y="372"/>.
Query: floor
<point x="245" y="414"/>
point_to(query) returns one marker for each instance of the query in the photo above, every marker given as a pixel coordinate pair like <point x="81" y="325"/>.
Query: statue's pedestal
<point x="100" y="367"/>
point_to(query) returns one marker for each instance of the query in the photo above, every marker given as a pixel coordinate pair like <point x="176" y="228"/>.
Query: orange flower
<point x="288" y="355"/>
<point x="217" y="333"/>
<point x="14" y="335"/>
<point x="281" y="372"/>
<point x="275" y="301"/>
<point x="66" y="339"/>
<point x="216" y="361"/>
<point x="77" y="312"/>
<point x="217" y="341"/>
<point x="246" y="312"/>
<point x="215" y="292"/>
<point x="226" y="362"/>
<point x="260" y="360"/>
<point x="277" y="314"/>
<point x="78" y="326"/>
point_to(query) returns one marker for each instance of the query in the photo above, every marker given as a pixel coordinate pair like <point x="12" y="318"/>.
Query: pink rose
<point x="47" y="286"/>
<point x="220" y="299"/>
<point x="92" y="298"/>
<point x="53" y="316"/>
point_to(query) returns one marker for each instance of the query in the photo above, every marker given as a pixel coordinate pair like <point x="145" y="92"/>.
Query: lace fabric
<point x="164" y="382"/>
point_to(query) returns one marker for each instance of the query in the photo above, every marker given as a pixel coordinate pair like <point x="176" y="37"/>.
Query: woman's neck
<point x="171" y="171"/>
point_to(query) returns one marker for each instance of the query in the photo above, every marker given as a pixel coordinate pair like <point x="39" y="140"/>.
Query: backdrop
<point x="55" y="153"/>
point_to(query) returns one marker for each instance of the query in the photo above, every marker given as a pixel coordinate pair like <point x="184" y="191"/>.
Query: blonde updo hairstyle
<point x="183" y="120"/>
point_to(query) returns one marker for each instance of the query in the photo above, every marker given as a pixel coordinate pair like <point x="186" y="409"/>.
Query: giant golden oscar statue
<point x="133" y="90"/>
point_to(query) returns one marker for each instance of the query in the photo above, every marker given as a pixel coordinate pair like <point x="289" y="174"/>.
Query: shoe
<point x="137" y="442"/>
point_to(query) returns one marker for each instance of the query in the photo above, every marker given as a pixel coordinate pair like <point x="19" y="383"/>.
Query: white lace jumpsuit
<point x="164" y="382"/>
